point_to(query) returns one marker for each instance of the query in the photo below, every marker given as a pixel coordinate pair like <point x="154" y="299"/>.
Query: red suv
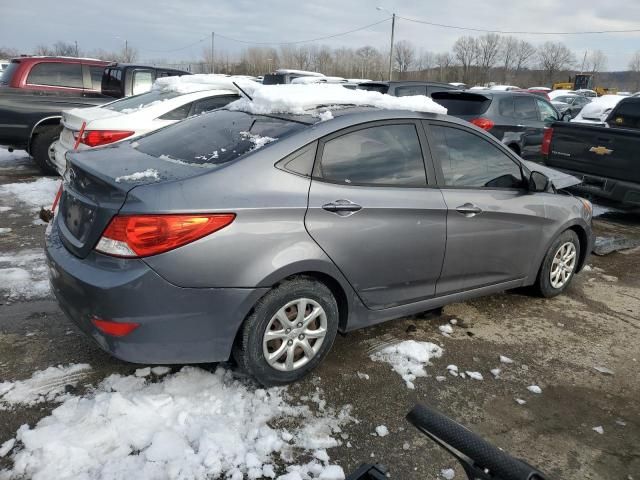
<point x="62" y="74"/>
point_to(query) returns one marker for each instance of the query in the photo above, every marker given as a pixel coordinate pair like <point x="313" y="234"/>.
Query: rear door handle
<point x="469" y="210"/>
<point x="342" y="207"/>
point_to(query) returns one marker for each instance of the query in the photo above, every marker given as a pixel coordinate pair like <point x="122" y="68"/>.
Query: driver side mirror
<point x="538" y="182"/>
<point x="566" y="117"/>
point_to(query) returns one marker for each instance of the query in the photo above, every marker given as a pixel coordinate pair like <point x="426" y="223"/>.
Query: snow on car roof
<point x="200" y="82"/>
<point x="299" y="72"/>
<point x="299" y="99"/>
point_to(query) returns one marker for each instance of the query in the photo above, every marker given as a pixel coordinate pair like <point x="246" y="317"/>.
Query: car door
<point x="528" y="120"/>
<point x="375" y="214"/>
<point x="494" y="224"/>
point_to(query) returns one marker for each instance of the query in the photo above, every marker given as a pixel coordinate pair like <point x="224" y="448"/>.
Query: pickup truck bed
<point x="606" y="158"/>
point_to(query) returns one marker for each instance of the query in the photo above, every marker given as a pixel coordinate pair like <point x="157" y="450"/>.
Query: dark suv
<point x="406" y="88"/>
<point x="520" y="120"/>
<point x="54" y="74"/>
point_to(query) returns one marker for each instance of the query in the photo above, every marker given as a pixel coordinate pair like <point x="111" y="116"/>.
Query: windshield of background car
<point x="374" y="87"/>
<point x="140" y="101"/>
<point x="217" y="137"/>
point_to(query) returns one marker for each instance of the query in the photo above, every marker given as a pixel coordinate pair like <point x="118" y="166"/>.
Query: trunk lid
<point x="72" y="119"/>
<point x="96" y="185"/>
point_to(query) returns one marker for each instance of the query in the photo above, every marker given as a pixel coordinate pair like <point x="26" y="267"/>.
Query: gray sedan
<point x="262" y="236"/>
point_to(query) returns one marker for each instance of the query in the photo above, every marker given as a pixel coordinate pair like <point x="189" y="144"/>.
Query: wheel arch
<point x="45" y="122"/>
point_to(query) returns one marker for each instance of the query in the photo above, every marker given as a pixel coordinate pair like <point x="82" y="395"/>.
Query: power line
<point x="326" y="37"/>
<point x="456" y="27"/>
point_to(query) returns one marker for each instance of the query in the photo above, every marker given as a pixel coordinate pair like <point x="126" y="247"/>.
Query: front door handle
<point x="469" y="210"/>
<point x="342" y="207"/>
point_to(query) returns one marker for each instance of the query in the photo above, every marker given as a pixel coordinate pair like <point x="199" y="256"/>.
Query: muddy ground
<point x="555" y="344"/>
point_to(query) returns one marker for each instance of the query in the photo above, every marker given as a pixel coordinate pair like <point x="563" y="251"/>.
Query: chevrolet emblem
<point x="600" y="150"/>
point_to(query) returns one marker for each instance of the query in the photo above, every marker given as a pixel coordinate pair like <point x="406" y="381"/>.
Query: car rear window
<point x="274" y="79"/>
<point x="373" y="87"/>
<point x="140" y="101"/>
<point x="462" y="103"/>
<point x="627" y="114"/>
<point x="217" y="137"/>
<point x="7" y="74"/>
<point x="112" y="82"/>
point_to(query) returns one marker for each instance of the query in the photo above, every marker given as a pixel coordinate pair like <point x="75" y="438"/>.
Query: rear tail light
<point x="95" y="138"/>
<point x="132" y="236"/>
<point x="483" y="123"/>
<point x="545" y="148"/>
<point x="114" y="329"/>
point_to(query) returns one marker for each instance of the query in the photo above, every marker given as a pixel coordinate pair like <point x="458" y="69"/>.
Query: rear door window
<point x="408" y="90"/>
<point x="385" y="155"/>
<point x="56" y="74"/>
<point x="547" y="113"/>
<point x="96" y="77"/>
<point x="468" y="160"/>
<point x="142" y="81"/>
<point x="524" y="108"/>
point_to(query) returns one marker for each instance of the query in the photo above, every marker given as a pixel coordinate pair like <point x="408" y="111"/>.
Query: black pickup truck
<point x="606" y="158"/>
<point x="30" y="120"/>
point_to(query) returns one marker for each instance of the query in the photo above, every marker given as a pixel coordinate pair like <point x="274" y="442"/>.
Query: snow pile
<point x="191" y="424"/>
<point x="446" y="329"/>
<point x="149" y="173"/>
<point x="257" y="140"/>
<point x="448" y="473"/>
<point x="37" y="194"/>
<point x="43" y="386"/>
<point x="408" y="358"/>
<point x="298" y="99"/>
<point x="382" y="431"/>
<point x="198" y="83"/>
<point x="24" y="275"/>
<point x="534" y="389"/>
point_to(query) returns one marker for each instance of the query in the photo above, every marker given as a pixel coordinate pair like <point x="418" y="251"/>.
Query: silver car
<point x="262" y="236"/>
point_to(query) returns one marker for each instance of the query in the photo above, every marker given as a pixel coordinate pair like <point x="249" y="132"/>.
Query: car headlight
<point x="587" y="207"/>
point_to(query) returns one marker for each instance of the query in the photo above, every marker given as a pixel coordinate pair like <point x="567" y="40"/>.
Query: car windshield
<point x="216" y="138"/>
<point x="140" y="101"/>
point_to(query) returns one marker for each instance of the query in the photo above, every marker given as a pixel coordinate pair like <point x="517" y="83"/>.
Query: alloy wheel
<point x="294" y="334"/>
<point x="563" y="265"/>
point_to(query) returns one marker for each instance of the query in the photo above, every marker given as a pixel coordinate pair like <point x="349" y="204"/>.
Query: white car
<point x="172" y="99"/>
<point x="598" y="110"/>
<point x="504" y="88"/>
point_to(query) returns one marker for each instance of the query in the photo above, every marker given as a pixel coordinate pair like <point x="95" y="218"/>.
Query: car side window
<point x="211" y="103"/>
<point x="547" y="112"/>
<point x="505" y="106"/>
<point x="408" y="90"/>
<point x="524" y="108"/>
<point x="469" y="160"/>
<point x="96" y="77"/>
<point x="142" y="81"/>
<point x="379" y="155"/>
<point x="179" y="113"/>
<point x="56" y="74"/>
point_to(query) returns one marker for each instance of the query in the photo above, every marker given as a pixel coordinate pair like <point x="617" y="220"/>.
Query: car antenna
<point x="243" y="92"/>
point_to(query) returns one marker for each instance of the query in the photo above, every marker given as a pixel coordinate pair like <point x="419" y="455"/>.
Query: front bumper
<point x="177" y="325"/>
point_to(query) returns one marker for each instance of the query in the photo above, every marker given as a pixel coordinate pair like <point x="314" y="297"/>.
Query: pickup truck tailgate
<point x="593" y="150"/>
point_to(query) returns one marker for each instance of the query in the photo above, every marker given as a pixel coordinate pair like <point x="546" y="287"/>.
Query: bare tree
<point x="443" y="62"/>
<point x="523" y="55"/>
<point x="404" y="54"/>
<point x="508" y="57"/>
<point x="488" y="50"/>
<point x="426" y="60"/>
<point x="596" y="61"/>
<point x="634" y="66"/>
<point x="554" y="57"/>
<point x="7" y="52"/>
<point x="64" y="49"/>
<point x="127" y="54"/>
<point x="370" y="61"/>
<point x="466" y="52"/>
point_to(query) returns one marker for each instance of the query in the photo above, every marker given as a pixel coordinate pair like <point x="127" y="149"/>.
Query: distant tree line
<point x="474" y="60"/>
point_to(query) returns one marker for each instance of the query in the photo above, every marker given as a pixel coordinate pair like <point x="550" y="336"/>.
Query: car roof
<point x="58" y="59"/>
<point x="408" y="82"/>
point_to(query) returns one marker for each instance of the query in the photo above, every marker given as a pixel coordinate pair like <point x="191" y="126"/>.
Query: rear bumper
<point x="177" y="325"/>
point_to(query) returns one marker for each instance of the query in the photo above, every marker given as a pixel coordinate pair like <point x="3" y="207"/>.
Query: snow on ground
<point x="193" y="424"/>
<point x="23" y="275"/>
<point x="408" y="358"/>
<point x="35" y="194"/>
<point x="298" y="99"/>
<point x="43" y="386"/>
<point x="16" y="160"/>
<point x="448" y="473"/>
<point x="382" y="431"/>
<point x="150" y="173"/>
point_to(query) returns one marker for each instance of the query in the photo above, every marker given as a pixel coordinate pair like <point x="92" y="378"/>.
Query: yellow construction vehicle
<point x="584" y="81"/>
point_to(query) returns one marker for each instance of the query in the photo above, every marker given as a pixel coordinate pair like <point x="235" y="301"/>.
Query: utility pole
<point x="76" y="48"/>
<point x="393" y="29"/>
<point x="126" y="51"/>
<point x="213" y="35"/>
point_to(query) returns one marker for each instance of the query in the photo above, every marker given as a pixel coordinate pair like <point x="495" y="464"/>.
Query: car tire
<point x="289" y="361"/>
<point x="41" y="146"/>
<point x="559" y="265"/>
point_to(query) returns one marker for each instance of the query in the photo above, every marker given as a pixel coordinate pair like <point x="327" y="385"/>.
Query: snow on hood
<point x="299" y="99"/>
<point x="200" y="82"/>
<point x="558" y="178"/>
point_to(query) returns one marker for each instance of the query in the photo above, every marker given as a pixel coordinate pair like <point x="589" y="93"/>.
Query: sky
<point x="161" y="29"/>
